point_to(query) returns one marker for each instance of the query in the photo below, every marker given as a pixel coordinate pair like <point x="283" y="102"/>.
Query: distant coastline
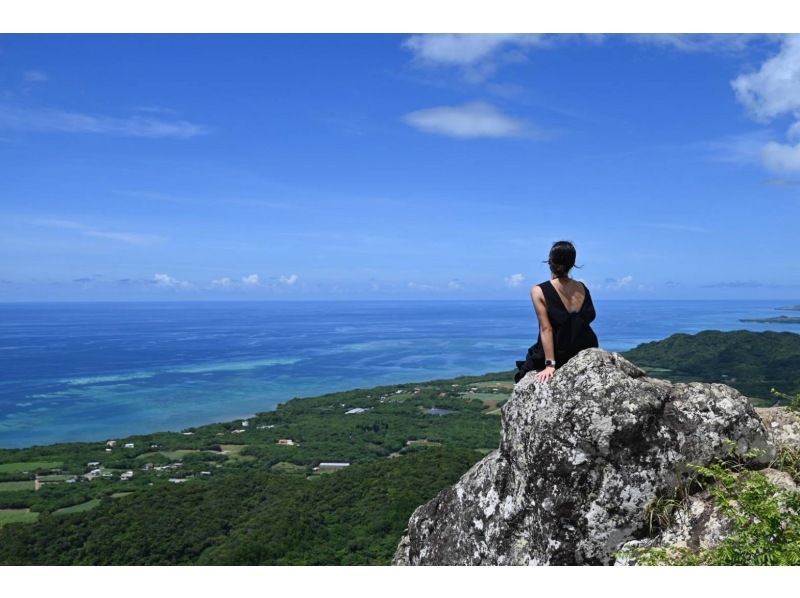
<point x="775" y="320"/>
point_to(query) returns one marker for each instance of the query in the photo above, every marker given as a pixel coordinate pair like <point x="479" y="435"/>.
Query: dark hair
<point x="562" y="258"/>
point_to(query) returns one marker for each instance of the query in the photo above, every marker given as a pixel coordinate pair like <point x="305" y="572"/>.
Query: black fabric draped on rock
<point x="571" y="331"/>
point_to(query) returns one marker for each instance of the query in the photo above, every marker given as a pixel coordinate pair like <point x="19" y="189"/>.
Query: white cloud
<point x="165" y="280"/>
<point x="250" y="280"/>
<point x="781" y="157"/>
<point x="471" y="120"/>
<point x="455" y="285"/>
<point x="717" y="42"/>
<point x="774" y="89"/>
<point x="464" y="49"/>
<point x="514" y="280"/>
<point x="222" y="282"/>
<point x="141" y="239"/>
<point x="617" y="283"/>
<point x="289" y="280"/>
<point x="771" y="92"/>
<point x="34" y="76"/>
<point x="58" y="121"/>
<point x="421" y="287"/>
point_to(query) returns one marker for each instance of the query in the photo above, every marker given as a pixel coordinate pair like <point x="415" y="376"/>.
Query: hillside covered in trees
<point x="324" y="480"/>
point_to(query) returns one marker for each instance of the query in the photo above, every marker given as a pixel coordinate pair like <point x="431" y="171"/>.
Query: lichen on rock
<point x="580" y="458"/>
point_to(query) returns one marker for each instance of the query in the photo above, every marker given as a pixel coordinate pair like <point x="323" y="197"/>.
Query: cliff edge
<point x="581" y="457"/>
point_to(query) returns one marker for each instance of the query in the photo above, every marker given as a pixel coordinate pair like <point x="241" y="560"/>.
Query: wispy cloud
<point x="34" y="76"/>
<point x="455" y="284"/>
<point x="514" y="280"/>
<point x="223" y="282"/>
<point x="466" y="49"/>
<point x="289" y="280"/>
<point x="614" y="284"/>
<point x="741" y="148"/>
<point x="141" y="239"/>
<point x="422" y="286"/>
<point x="250" y="280"/>
<point x="470" y="121"/>
<point x="695" y="43"/>
<point x="737" y="284"/>
<point x="46" y="120"/>
<point x="477" y="56"/>
<point x="165" y="280"/>
<point x="691" y="228"/>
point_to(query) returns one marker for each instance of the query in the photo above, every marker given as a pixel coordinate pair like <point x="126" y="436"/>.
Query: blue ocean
<point x="91" y="371"/>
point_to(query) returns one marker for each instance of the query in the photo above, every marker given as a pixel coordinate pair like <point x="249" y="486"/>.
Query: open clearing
<point x="17" y="516"/>
<point x="233" y="452"/>
<point x="84" y="506"/>
<point x="286" y="467"/>
<point x="29" y="467"/>
<point x="15" y="486"/>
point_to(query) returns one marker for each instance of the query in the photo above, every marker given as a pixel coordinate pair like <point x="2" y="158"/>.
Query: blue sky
<point x="390" y="166"/>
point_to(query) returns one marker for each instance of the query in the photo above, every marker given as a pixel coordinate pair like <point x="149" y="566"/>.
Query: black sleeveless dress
<point x="571" y="331"/>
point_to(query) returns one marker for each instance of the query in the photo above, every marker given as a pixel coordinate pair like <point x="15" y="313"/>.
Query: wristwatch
<point x="549" y="362"/>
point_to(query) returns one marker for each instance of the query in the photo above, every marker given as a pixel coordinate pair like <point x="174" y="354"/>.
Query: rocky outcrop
<point x="581" y="456"/>
<point x="699" y="524"/>
<point x="783" y="427"/>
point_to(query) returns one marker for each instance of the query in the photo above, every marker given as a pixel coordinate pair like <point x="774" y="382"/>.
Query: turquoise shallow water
<point x="91" y="371"/>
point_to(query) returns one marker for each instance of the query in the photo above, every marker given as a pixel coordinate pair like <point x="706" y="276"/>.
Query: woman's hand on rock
<point x="546" y="374"/>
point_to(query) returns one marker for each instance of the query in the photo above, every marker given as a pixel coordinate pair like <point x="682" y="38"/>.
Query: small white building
<point x="356" y="410"/>
<point x="129" y="445"/>
<point x="286" y="442"/>
<point x="126" y="476"/>
<point x="245" y="423"/>
<point x="111" y="443"/>
<point x="95" y="473"/>
<point x="93" y="464"/>
<point x="331" y="465"/>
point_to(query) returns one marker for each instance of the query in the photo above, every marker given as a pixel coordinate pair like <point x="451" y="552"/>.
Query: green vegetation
<point x="229" y="493"/>
<point x="765" y="518"/>
<point x="751" y="362"/>
<point x="243" y="498"/>
<point x="791" y="402"/>
<point x="354" y="516"/>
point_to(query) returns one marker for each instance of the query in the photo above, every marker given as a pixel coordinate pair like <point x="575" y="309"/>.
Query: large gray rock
<point x="580" y="458"/>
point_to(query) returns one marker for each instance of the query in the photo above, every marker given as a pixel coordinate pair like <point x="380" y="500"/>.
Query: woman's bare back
<point x="571" y="292"/>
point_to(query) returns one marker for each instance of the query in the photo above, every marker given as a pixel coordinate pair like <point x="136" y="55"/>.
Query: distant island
<point x="790" y="307"/>
<point x="774" y="320"/>
<point x="317" y="481"/>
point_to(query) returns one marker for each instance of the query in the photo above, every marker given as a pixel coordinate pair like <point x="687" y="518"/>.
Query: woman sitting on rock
<point x="564" y="308"/>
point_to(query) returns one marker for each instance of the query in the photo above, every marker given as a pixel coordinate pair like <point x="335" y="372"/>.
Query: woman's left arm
<point x="545" y="332"/>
